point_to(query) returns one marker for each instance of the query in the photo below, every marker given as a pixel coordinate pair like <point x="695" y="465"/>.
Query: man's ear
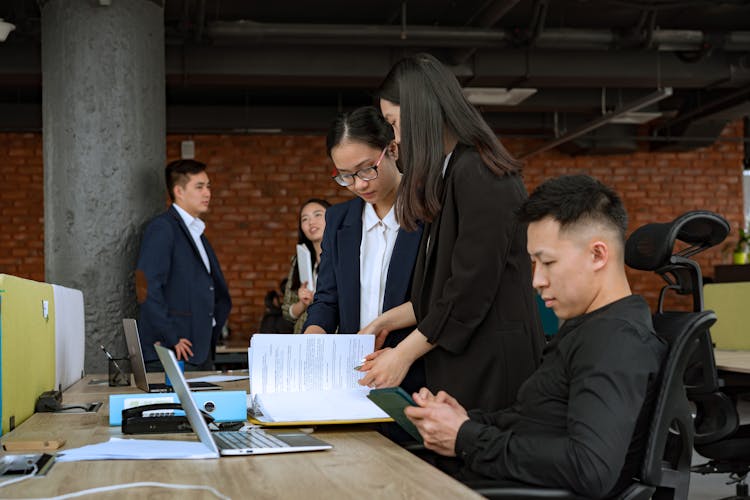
<point x="599" y="254"/>
<point x="178" y="191"/>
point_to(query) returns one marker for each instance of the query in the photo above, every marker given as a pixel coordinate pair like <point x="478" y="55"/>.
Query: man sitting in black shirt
<point x="580" y="421"/>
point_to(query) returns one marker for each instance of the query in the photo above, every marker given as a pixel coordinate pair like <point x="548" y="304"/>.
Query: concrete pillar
<point x="104" y="152"/>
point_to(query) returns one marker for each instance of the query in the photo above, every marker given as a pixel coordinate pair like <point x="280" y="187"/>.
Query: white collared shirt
<point x="196" y="228"/>
<point x="375" y="250"/>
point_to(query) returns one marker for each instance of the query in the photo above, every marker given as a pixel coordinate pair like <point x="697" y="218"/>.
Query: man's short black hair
<point x="570" y="199"/>
<point x="177" y="173"/>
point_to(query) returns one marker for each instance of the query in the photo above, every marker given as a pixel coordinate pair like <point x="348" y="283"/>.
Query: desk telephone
<point x="157" y="418"/>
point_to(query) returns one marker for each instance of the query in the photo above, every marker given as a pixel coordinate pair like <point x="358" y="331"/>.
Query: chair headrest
<point x="650" y="247"/>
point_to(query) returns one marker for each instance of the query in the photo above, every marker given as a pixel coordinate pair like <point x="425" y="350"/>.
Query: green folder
<point x="393" y="400"/>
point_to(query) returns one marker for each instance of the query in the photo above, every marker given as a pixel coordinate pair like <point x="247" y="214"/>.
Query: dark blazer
<point x="178" y="297"/>
<point x="472" y="292"/>
<point x="337" y="291"/>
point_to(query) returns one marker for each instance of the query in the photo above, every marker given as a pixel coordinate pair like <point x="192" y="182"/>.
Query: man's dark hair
<point x="571" y="199"/>
<point x="177" y="173"/>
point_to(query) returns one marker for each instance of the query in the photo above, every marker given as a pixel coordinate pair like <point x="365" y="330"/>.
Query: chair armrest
<point x="493" y="489"/>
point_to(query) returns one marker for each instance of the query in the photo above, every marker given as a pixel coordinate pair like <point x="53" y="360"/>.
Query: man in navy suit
<point x="184" y="299"/>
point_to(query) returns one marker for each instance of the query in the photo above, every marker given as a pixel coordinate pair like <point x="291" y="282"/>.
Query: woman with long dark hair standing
<point x="299" y="295"/>
<point x="477" y="326"/>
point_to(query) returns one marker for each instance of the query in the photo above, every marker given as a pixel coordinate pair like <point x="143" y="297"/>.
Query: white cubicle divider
<point x="69" y="335"/>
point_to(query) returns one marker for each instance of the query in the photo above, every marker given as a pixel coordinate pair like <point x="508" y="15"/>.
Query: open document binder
<point x="309" y="380"/>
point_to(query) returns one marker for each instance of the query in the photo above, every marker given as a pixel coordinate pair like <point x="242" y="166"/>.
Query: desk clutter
<point x="41" y="326"/>
<point x="222" y="406"/>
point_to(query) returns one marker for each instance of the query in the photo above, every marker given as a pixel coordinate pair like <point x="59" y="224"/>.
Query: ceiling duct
<point x="704" y="130"/>
<point x="607" y="140"/>
<point x="605" y="119"/>
<point x="245" y="31"/>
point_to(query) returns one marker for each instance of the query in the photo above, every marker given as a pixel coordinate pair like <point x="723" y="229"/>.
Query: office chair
<point x="718" y="434"/>
<point x="665" y="472"/>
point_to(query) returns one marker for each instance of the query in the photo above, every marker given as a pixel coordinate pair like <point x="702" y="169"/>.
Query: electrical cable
<point x="145" y="484"/>
<point x="22" y="478"/>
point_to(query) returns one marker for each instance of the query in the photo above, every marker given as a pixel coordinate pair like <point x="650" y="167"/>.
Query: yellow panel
<point x="731" y="302"/>
<point x="28" y="346"/>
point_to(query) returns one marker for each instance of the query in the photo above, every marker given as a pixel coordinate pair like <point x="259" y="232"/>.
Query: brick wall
<point x="21" y="206"/>
<point x="657" y="187"/>
<point x="259" y="182"/>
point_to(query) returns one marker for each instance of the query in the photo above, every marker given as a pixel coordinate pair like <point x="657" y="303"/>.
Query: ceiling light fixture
<point x="637" y="117"/>
<point x="491" y="96"/>
<point x="5" y="29"/>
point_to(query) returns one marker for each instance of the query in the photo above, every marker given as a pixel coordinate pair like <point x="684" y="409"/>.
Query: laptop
<point x="252" y="442"/>
<point x="139" y="367"/>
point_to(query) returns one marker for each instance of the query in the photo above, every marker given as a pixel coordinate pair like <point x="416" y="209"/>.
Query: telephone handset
<point x="157" y="419"/>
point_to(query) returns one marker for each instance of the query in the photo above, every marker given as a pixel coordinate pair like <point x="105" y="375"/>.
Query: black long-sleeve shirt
<point x="580" y="421"/>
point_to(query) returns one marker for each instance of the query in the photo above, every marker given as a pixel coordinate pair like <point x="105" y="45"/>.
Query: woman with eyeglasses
<point x="472" y="302"/>
<point x="299" y="295"/>
<point x="367" y="258"/>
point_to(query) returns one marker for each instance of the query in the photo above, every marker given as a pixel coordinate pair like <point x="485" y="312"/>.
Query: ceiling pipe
<point x="648" y="100"/>
<point x="394" y="35"/>
<point x="705" y="109"/>
<point x="487" y="19"/>
<point x="329" y="34"/>
<point x="200" y="20"/>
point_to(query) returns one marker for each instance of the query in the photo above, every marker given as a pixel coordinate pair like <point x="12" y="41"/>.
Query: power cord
<point x="73" y="407"/>
<point x="116" y="487"/>
<point x="34" y="470"/>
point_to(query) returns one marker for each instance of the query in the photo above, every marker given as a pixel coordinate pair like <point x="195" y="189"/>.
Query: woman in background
<point x="367" y="258"/>
<point x="477" y="326"/>
<point x="297" y="295"/>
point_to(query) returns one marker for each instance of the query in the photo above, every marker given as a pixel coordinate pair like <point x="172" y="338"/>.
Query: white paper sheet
<point x="304" y="265"/>
<point x="295" y="363"/>
<point x="138" y="449"/>
<point x="318" y="406"/>
<point x="310" y="377"/>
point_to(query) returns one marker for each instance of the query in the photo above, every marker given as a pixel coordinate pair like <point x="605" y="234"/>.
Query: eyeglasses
<point x="366" y="174"/>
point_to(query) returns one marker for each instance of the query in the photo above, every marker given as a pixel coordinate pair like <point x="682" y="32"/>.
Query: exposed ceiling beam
<point x="603" y="120"/>
<point x="487" y="17"/>
<point x="251" y="32"/>
<point x="364" y="67"/>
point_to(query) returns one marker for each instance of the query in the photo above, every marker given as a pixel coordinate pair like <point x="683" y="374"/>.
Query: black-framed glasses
<point x="366" y="174"/>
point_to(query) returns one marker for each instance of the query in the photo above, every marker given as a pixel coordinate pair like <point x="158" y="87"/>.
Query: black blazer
<point x="472" y="292"/>
<point x="337" y="291"/>
<point x="178" y="296"/>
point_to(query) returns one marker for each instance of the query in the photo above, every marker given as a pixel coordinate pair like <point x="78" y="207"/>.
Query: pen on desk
<point x="109" y="356"/>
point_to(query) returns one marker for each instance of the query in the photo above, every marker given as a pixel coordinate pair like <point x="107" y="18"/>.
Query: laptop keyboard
<point x="231" y="440"/>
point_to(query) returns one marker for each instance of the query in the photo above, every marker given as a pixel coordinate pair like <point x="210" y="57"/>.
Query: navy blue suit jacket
<point x="178" y="297"/>
<point x="337" y="291"/>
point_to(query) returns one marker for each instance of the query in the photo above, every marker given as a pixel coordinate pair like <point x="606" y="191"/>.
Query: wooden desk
<point x="362" y="464"/>
<point x="732" y="361"/>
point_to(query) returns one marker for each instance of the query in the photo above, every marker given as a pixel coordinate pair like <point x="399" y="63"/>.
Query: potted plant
<point x="741" y="250"/>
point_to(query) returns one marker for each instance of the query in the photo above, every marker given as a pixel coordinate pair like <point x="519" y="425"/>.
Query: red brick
<point x="259" y="182"/>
